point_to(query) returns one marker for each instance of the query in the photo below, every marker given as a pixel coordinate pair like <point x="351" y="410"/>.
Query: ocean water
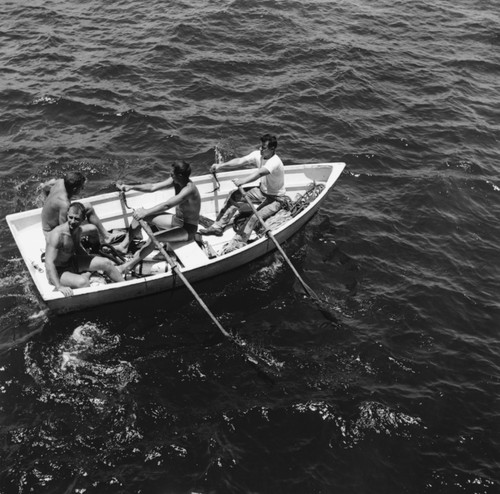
<point x="401" y="393"/>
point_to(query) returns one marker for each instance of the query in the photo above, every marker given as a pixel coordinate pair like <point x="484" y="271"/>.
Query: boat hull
<point x="194" y="264"/>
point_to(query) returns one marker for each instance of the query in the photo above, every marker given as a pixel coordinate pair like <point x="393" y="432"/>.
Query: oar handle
<point x="215" y="191"/>
<point x="124" y="205"/>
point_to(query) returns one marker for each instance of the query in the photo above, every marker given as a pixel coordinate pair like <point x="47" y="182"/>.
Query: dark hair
<point x="272" y="142"/>
<point x="182" y="168"/>
<point x="73" y="181"/>
<point x="80" y="207"/>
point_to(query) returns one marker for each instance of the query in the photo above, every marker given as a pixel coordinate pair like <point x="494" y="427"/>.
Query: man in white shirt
<point x="270" y="170"/>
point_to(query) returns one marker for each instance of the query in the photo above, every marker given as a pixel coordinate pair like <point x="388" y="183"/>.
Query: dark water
<point x="401" y="394"/>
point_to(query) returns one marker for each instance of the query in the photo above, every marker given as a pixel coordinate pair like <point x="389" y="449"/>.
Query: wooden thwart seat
<point x="189" y="253"/>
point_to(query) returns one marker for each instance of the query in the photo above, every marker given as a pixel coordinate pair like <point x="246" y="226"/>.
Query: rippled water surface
<point x="401" y="393"/>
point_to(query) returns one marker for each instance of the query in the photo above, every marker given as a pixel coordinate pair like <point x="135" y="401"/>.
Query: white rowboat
<point x="194" y="261"/>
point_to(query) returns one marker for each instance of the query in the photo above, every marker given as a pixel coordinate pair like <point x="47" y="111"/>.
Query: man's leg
<point x="165" y="221"/>
<point x="231" y="201"/>
<point x="226" y="215"/>
<point x="162" y="222"/>
<point x="141" y="254"/>
<point x="75" y="280"/>
<point x="98" y="263"/>
<point x="133" y="233"/>
<point x="171" y="230"/>
<point x="230" y="209"/>
<point x="265" y="210"/>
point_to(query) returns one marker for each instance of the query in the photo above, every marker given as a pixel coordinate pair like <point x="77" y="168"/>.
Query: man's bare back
<point x="56" y="206"/>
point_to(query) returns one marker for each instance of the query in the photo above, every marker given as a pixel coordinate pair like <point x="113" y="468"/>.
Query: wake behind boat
<point x="307" y="186"/>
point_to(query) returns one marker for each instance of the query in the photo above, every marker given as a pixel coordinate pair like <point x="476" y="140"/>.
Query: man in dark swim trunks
<point x="176" y="227"/>
<point x="67" y="263"/>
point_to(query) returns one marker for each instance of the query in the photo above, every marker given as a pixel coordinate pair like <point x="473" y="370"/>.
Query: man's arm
<point x="51" y="252"/>
<point x="45" y="187"/>
<point x="149" y="187"/>
<point x="179" y="198"/>
<point x="232" y="164"/>
<point x="252" y="177"/>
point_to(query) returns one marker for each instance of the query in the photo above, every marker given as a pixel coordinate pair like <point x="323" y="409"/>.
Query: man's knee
<point x="82" y="282"/>
<point x="101" y="264"/>
<point x="251" y="224"/>
<point x="107" y="264"/>
<point x="270" y="209"/>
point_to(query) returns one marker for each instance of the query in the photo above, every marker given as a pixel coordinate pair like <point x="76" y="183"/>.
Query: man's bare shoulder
<point x="59" y="230"/>
<point x="54" y="236"/>
<point x="192" y="188"/>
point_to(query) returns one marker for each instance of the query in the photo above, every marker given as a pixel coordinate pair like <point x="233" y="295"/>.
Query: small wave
<point x="379" y="418"/>
<point x="493" y="186"/>
<point x="372" y="417"/>
<point x="464" y="164"/>
<point x="453" y="481"/>
<point x="45" y="100"/>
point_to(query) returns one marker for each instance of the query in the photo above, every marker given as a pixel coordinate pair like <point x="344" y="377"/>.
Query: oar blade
<point x="264" y="363"/>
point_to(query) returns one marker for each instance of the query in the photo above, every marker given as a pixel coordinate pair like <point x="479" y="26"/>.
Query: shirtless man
<point x="267" y="196"/>
<point x="176" y="227"/>
<point x="67" y="263"/>
<point x="59" y="193"/>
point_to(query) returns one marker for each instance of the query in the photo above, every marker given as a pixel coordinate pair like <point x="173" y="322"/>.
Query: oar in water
<point x="253" y="359"/>
<point x="270" y="235"/>
<point x="178" y="272"/>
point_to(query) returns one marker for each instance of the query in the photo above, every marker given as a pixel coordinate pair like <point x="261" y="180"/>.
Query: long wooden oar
<point x="253" y="359"/>
<point x="178" y="272"/>
<point x="270" y="235"/>
<point x="175" y="268"/>
<point x="215" y="191"/>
